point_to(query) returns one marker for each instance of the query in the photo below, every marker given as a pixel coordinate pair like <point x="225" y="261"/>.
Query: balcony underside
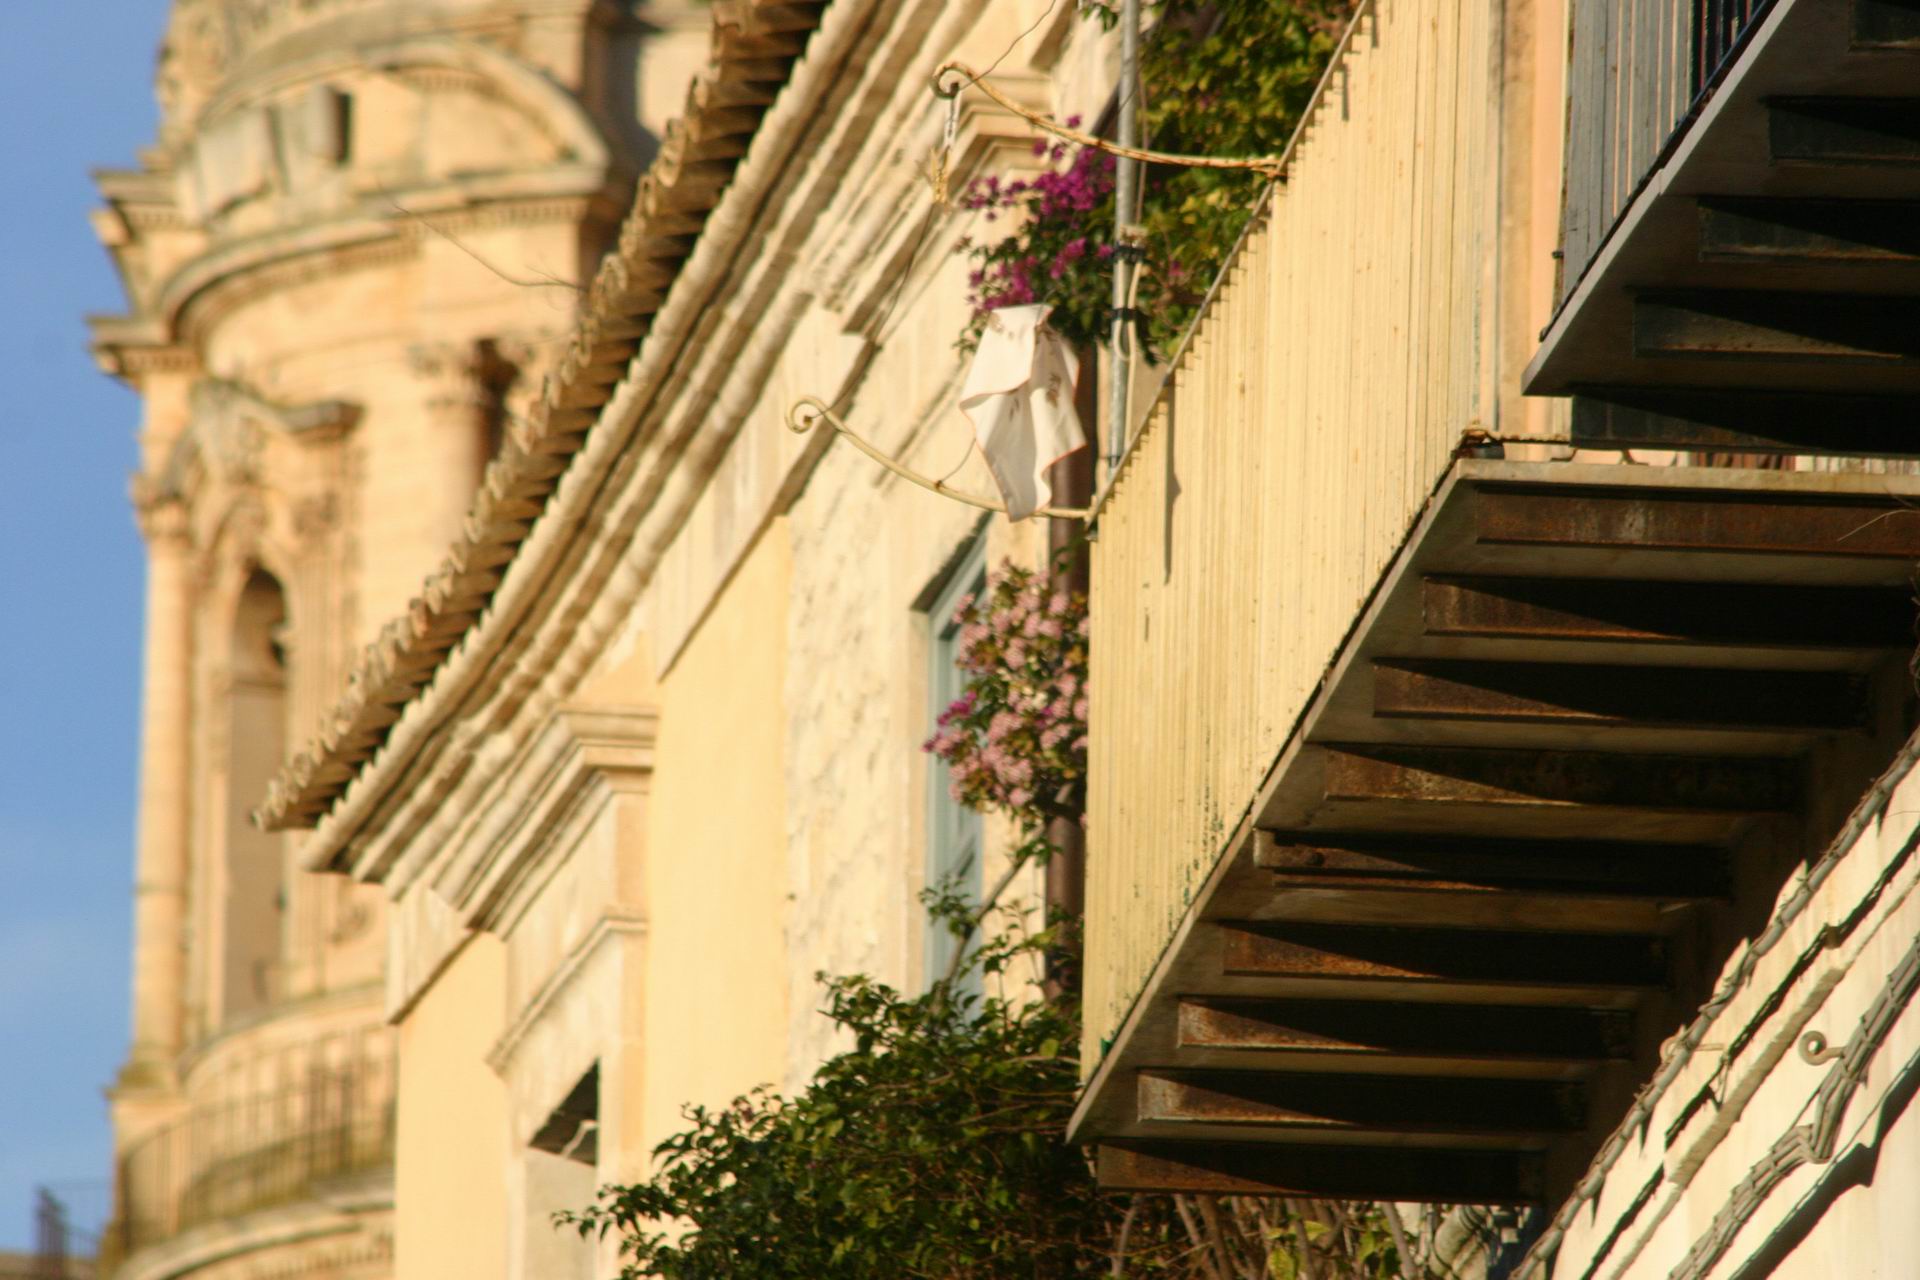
<point x="1578" y="738"/>
<point x="1761" y="293"/>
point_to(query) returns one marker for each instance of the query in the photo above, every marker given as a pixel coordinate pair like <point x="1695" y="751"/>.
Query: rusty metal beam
<point x="1849" y="526"/>
<point x="1333" y="1101"/>
<point x="1374" y="1029"/>
<point x="1740" y="421"/>
<point x="1711" y="614"/>
<point x="1582" y="694"/>
<point x="1760" y="231"/>
<point x="1561" y="779"/>
<point x="1404" y="1174"/>
<point x="1758" y="325"/>
<point x="1844" y="131"/>
<point x="1371" y="953"/>
<point x="1669" y="872"/>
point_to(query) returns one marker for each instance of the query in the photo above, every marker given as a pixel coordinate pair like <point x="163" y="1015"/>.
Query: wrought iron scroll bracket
<point x="1815" y="1052"/>
<point x="809" y="412"/>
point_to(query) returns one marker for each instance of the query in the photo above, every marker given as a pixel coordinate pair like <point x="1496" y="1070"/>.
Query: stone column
<point x="160" y="886"/>
<point x="461" y="406"/>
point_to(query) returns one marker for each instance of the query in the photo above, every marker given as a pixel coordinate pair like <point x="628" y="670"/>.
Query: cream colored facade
<point x="666" y="767"/>
<point x="349" y="258"/>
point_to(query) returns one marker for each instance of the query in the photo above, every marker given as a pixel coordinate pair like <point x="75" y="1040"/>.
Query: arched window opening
<point x="253" y="901"/>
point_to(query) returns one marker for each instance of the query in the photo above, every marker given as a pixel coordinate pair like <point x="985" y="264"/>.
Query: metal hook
<point x="808" y="412"/>
<point x="962" y="77"/>
<point x="1814" y="1050"/>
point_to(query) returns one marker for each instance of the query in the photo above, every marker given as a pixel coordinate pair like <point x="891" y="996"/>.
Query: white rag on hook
<point x="1019" y="397"/>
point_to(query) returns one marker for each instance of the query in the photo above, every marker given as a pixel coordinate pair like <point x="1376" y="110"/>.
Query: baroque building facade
<point x="1501" y="737"/>
<point x="348" y="258"/>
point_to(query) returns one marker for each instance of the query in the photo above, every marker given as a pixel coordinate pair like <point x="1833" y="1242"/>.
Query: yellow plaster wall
<point x="716" y="969"/>
<point x="450" y="1187"/>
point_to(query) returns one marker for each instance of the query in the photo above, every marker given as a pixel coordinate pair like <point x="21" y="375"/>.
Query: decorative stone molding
<point x="552" y="991"/>
<point x="159" y="511"/>
<point x="352" y="1238"/>
<point x="226" y="437"/>
<point x="585" y="754"/>
<point x="208" y="37"/>
<point x="1821" y="941"/>
<point x="755" y="44"/>
<point x="456" y="375"/>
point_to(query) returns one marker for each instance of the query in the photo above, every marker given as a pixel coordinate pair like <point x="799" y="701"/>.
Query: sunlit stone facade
<point x="348" y="259"/>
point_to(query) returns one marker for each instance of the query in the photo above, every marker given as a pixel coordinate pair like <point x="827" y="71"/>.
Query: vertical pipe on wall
<point x="1126" y="200"/>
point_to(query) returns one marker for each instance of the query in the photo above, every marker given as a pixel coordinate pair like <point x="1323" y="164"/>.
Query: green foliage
<point x="934" y="1147"/>
<point x="1227" y="78"/>
<point x="931" y="1148"/>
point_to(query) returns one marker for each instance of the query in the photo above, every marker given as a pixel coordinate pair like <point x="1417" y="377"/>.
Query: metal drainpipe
<point x="1126" y="203"/>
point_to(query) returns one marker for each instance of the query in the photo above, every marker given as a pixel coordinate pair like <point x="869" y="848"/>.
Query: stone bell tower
<point x="357" y="240"/>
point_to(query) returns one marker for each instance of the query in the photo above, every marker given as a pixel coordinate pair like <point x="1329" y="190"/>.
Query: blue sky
<point x="75" y="94"/>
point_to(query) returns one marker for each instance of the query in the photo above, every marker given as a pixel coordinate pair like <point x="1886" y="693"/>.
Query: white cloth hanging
<point x="1019" y="397"/>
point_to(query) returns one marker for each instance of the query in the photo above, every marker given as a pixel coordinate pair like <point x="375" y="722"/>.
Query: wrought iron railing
<point x="1719" y="27"/>
<point x="256" y="1152"/>
<point x="1639" y="71"/>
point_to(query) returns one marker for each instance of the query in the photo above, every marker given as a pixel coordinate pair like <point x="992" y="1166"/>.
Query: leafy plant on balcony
<point x="1219" y="78"/>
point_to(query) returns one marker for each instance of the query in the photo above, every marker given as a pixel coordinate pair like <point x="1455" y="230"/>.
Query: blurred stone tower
<point x="356" y="241"/>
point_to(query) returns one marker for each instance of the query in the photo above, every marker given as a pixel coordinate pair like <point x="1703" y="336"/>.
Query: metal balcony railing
<point x="1302" y="427"/>
<point x="254" y="1153"/>
<point x="1719" y="27"/>
<point x="1638" y="70"/>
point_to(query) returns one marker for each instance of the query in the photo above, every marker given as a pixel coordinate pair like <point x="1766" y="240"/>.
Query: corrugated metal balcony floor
<point x="1585" y="728"/>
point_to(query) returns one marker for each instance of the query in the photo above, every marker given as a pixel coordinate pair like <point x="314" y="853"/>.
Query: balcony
<point x="1741" y="254"/>
<point x="251" y="1155"/>
<point x="1430" y="788"/>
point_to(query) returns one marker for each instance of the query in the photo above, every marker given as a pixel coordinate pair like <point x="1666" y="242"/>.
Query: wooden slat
<point x="1562" y="779"/>
<point x="1721" y="615"/>
<point x="1391" y="1029"/>
<point x="1664" y="872"/>
<point x="1760" y="232"/>
<point x="1568" y="693"/>
<point x="1886" y="24"/>
<point x="1740" y="421"/>
<point x="1478" y="957"/>
<point x="1406" y="1175"/>
<point x="1333" y="1102"/>
<point x="1844" y="131"/>
<point x="1848" y="526"/>
<point x="1757" y="325"/>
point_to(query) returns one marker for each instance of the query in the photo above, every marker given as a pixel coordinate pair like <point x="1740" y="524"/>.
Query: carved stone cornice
<point x="456" y="375"/>
<point x="161" y="515"/>
<point x="585" y="754"/>
<point x="227" y="432"/>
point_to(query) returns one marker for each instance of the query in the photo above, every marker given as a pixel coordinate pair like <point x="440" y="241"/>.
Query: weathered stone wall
<point x="1760" y="1151"/>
